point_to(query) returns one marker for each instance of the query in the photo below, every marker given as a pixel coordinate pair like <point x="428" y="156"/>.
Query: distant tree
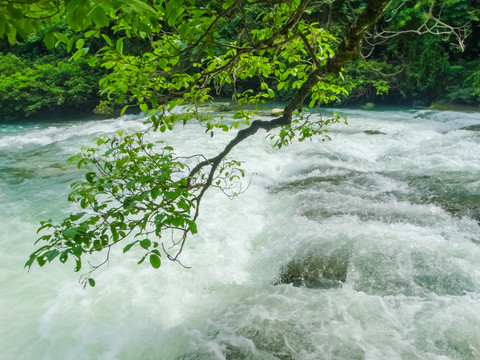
<point x="161" y="54"/>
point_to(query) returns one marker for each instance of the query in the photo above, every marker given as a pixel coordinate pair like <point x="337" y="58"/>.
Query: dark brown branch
<point x="310" y="50"/>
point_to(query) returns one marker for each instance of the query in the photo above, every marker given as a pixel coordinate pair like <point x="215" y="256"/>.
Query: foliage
<point x="472" y="83"/>
<point x="302" y="128"/>
<point x="423" y="50"/>
<point x="369" y="81"/>
<point x="133" y="188"/>
<point x="104" y="108"/>
<point x="28" y="88"/>
<point x="368" y="106"/>
<point x="417" y="66"/>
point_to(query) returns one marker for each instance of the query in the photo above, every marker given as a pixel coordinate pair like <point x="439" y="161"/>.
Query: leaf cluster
<point x="133" y="189"/>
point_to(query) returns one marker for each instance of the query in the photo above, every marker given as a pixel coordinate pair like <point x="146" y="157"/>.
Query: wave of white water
<point x="400" y="210"/>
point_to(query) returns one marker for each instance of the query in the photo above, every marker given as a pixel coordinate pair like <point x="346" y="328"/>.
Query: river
<point x="388" y="224"/>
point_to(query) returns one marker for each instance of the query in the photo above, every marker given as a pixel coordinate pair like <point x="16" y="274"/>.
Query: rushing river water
<point x="363" y="247"/>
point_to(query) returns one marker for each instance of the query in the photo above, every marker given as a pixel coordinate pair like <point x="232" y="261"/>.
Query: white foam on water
<point x="78" y="131"/>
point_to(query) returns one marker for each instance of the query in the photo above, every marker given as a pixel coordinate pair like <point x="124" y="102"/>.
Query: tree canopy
<point x="161" y="54"/>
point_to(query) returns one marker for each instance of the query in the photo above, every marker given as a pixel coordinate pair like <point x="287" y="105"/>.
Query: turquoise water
<point x="396" y="215"/>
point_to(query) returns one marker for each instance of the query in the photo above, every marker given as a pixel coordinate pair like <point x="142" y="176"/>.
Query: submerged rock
<point x="471" y="127"/>
<point x="277" y="112"/>
<point x="374" y="132"/>
<point x="319" y="271"/>
<point x="455" y="193"/>
<point x="223" y="107"/>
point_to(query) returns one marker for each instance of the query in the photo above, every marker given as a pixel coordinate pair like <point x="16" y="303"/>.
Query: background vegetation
<point x="425" y="66"/>
<point x="412" y="68"/>
<point x="36" y="81"/>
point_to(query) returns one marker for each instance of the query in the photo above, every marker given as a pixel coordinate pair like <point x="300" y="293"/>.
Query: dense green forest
<point x="36" y="81"/>
<point x="405" y="60"/>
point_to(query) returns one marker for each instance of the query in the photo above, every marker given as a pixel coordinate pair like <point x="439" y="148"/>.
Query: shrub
<point x="28" y="88"/>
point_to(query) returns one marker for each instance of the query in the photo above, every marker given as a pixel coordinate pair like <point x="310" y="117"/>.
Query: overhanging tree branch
<point x="346" y="51"/>
<point x="151" y="191"/>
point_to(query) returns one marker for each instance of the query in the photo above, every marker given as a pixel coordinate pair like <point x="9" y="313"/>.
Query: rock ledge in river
<point x="277" y="112"/>
<point x="319" y="271"/>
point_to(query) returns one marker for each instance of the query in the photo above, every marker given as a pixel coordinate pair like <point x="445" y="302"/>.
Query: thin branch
<point x="312" y="53"/>
<point x="438" y="28"/>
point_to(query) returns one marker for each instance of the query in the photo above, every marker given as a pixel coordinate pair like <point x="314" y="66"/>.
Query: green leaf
<point x="12" y="35"/>
<point x="77" y="216"/>
<point x="129" y="246"/>
<point x="143" y="259"/>
<point x="146" y="243"/>
<point x="70" y="233"/>
<point x="123" y="110"/>
<point x="155" y="261"/>
<point x="41" y="261"/>
<point x="79" y="53"/>
<point x="78" y="265"/>
<point x="107" y="39"/>
<point x="63" y="257"/>
<point x="90" y="176"/>
<point x="114" y="231"/>
<point x="174" y="10"/>
<point x="99" y="17"/>
<point x="119" y="46"/>
<point x="52" y="254"/>
<point x="138" y="5"/>
<point x="49" y="40"/>
<point x="192" y="226"/>
<point x="155" y="192"/>
<point x="177" y="221"/>
<point x="79" y="44"/>
<point x="91" y="282"/>
<point x="109" y="151"/>
<point x="90" y="33"/>
<point x="70" y="44"/>
<point x="30" y="261"/>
